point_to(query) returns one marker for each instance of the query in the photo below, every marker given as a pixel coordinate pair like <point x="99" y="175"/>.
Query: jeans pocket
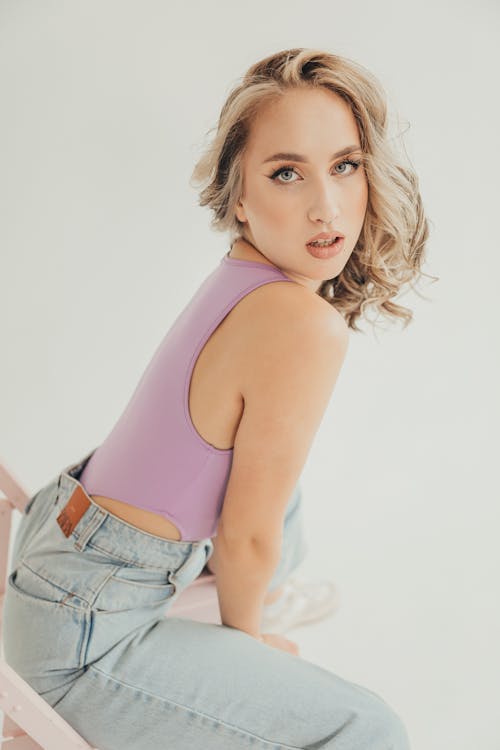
<point x="130" y="599"/>
<point x="29" y="585"/>
<point x="132" y="586"/>
<point x="42" y="637"/>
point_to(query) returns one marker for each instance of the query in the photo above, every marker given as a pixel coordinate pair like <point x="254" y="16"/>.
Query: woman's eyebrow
<point x="290" y="156"/>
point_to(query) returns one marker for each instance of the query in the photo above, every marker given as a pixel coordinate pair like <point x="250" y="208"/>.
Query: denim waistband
<point x="117" y="537"/>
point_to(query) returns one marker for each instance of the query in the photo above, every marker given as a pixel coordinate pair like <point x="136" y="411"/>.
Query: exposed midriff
<point x="138" y="517"/>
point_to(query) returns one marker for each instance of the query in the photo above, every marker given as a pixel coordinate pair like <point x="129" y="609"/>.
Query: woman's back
<point x="216" y="392"/>
<point x="165" y="464"/>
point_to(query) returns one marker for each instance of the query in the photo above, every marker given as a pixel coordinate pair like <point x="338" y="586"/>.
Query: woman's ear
<point x="240" y="212"/>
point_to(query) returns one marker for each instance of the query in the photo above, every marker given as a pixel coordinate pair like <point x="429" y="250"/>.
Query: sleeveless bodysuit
<point x="154" y="458"/>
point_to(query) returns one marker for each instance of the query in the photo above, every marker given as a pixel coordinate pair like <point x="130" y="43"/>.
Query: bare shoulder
<point x="294" y="341"/>
<point x="293" y="317"/>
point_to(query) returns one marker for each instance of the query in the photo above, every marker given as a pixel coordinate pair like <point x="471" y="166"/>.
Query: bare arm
<point x="295" y="351"/>
<point x="242" y="575"/>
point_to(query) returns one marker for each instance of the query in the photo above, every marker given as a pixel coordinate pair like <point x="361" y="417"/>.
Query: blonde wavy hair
<point x="390" y="248"/>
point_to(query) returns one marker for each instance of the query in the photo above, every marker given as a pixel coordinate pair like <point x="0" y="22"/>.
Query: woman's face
<point x="285" y="201"/>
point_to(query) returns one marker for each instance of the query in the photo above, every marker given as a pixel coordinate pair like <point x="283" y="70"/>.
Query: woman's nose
<point x="326" y="207"/>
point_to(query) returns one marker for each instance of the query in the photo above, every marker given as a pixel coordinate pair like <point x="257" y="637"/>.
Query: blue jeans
<point x="84" y="625"/>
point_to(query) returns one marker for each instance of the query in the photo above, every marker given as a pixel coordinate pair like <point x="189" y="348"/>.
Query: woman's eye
<point x="291" y="170"/>
<point x="350" y="162"/>
<point x="283" y="170"/>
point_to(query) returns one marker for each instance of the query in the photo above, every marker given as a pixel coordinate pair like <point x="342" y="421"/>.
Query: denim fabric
<point x="84" y="625"/>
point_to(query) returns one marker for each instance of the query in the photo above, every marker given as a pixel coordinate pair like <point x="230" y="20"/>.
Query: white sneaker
<point x="301" y="602"/>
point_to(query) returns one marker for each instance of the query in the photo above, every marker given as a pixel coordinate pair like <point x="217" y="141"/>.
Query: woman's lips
<point x="323" y="253"/>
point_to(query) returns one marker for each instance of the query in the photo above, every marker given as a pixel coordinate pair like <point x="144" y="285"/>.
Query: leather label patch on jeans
<point x="73" y="511"/>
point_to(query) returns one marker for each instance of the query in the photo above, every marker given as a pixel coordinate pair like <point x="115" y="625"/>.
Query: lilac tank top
<point x="154" y="458"/>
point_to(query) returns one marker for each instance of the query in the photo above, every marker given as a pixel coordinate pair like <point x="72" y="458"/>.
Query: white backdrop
<point x="104" y="107"/>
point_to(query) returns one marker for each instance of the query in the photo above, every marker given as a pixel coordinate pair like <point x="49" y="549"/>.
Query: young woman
<point x="202" y="466"/>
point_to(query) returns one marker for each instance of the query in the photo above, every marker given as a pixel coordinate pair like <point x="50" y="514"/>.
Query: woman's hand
<point x="279" y="641"/>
